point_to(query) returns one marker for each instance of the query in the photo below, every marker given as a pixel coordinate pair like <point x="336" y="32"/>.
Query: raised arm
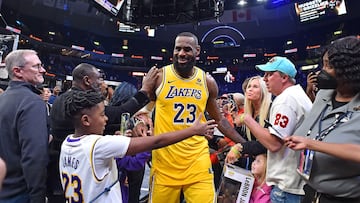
<point x="213" y="109"/>
<point x="349" y="152"/>
<point x="135" y="103"/>
<point x="141" y="144"/>
<point x="270" y="142"/>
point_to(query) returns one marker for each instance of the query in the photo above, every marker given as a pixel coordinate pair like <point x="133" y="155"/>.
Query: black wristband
<point x="244" y="148"/>
<point x="217" y="139"/>
<point x="142" y="98"/>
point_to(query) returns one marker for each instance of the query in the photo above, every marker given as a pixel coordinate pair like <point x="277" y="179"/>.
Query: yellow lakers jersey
<point x="179" y="102"/>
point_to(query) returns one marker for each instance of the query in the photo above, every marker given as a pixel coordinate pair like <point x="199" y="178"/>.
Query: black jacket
<point x="61" y="126"/>
<point x="23" y="141"/>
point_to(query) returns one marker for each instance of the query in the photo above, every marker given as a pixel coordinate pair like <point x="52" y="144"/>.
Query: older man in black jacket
<point x="23" y="130"/>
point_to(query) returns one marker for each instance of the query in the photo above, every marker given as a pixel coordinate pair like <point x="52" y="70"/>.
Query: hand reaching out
<point x="234" y="154"/>
<point x="297" y="142"/>
<point x="203" y="128"/>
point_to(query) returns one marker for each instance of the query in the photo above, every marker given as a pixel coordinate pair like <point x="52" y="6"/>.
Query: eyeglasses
<point x="39" y="66"/>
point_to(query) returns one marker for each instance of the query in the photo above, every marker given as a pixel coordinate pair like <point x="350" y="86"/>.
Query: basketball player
<point x="183" y="91"/>
<point x="87" y="166"/>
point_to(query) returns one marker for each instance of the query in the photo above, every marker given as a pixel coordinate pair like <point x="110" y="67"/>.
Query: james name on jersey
<point x="70" y="162"/>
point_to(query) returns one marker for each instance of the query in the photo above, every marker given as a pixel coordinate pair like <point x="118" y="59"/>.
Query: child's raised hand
<point x="203" y="128"/>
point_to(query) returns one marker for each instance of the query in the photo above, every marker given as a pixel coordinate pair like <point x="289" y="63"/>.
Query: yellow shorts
<point x="202" y="191"/>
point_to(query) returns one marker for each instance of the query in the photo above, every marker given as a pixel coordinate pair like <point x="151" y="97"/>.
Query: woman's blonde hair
<point x="265" y="100"/>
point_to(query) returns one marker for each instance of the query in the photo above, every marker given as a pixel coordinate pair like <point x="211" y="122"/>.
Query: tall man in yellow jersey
<point x="182" y="92"/>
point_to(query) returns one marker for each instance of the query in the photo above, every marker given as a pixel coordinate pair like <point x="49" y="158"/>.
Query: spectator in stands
<point x="107" y="92"/>
<point x="244" y="84"/>
<point x="131" y="167"/>
<point x="95" y="178"/>
<point x="85" y="77"/>
<point x="56" y="91"/>
<point x="257" y="104"/>
<point x="239" y="100"/>
<point x="45" y="95"/>
<point x="330" y="132"/>
<point x="233" y="107"/>
<point x="229" y="78"/>
<point x="218" y="143"/>
<point x="286" y="113"/>
<point x="24" y="135"/>
<point x="110" y="93"/>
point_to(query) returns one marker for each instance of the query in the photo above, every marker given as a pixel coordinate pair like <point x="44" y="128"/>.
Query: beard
<point x="96" y="87"/>
<point x="184" y="68"/>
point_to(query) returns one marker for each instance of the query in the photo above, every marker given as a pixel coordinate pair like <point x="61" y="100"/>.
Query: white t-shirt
<point x="286" y="114"/>
<point x="87" y="166"/>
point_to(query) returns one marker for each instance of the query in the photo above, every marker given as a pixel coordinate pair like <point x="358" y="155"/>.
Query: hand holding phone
<point x="125" y="117"/>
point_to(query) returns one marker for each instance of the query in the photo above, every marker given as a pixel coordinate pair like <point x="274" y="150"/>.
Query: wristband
<point x="142" y="98"/>
<point x="239" y="147"/>
<point x="242" y="118"/>
<point x="236" y="149"/>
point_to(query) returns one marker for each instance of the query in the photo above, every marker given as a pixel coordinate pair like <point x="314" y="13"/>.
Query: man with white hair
<point x="239" y="99"/>
<point x="23" y="130"/>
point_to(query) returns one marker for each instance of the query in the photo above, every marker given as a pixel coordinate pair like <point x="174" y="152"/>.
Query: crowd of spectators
<point x="264" y="118"/>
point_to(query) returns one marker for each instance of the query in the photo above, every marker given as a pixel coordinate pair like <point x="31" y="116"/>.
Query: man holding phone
<point x="286" y="113"/>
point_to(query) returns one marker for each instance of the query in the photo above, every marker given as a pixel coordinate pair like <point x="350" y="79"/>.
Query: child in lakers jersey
<point x="87" y="166"/>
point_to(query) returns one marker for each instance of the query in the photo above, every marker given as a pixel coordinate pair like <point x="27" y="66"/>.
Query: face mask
<point x="326" y="81"/>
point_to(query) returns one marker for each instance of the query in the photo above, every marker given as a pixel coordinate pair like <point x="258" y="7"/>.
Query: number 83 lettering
<point x="281" y="120"/>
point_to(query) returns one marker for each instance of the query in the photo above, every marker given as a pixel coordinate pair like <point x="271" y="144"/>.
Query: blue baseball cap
<point x="279" y="63"/>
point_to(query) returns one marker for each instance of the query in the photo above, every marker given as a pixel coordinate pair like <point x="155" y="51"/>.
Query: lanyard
<point x="323" y="133"/>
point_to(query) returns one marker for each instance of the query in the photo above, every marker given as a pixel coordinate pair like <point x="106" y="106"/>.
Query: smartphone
<point x="125" y="117"/>
<point x="279" y="135"/>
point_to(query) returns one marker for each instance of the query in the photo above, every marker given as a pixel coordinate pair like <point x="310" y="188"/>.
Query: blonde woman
<point x="257" y="104"/>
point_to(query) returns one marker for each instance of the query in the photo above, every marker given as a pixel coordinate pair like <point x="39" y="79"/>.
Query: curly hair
<point x="78" y="100"/>
<point x="344" y="57"/>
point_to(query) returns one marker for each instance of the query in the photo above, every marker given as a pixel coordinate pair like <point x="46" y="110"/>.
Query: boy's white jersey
<point x="87" y="166"/>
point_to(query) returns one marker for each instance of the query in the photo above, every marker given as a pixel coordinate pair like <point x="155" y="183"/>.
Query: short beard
<point x="95" y="88"/>
<point x="184" y="69"/>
